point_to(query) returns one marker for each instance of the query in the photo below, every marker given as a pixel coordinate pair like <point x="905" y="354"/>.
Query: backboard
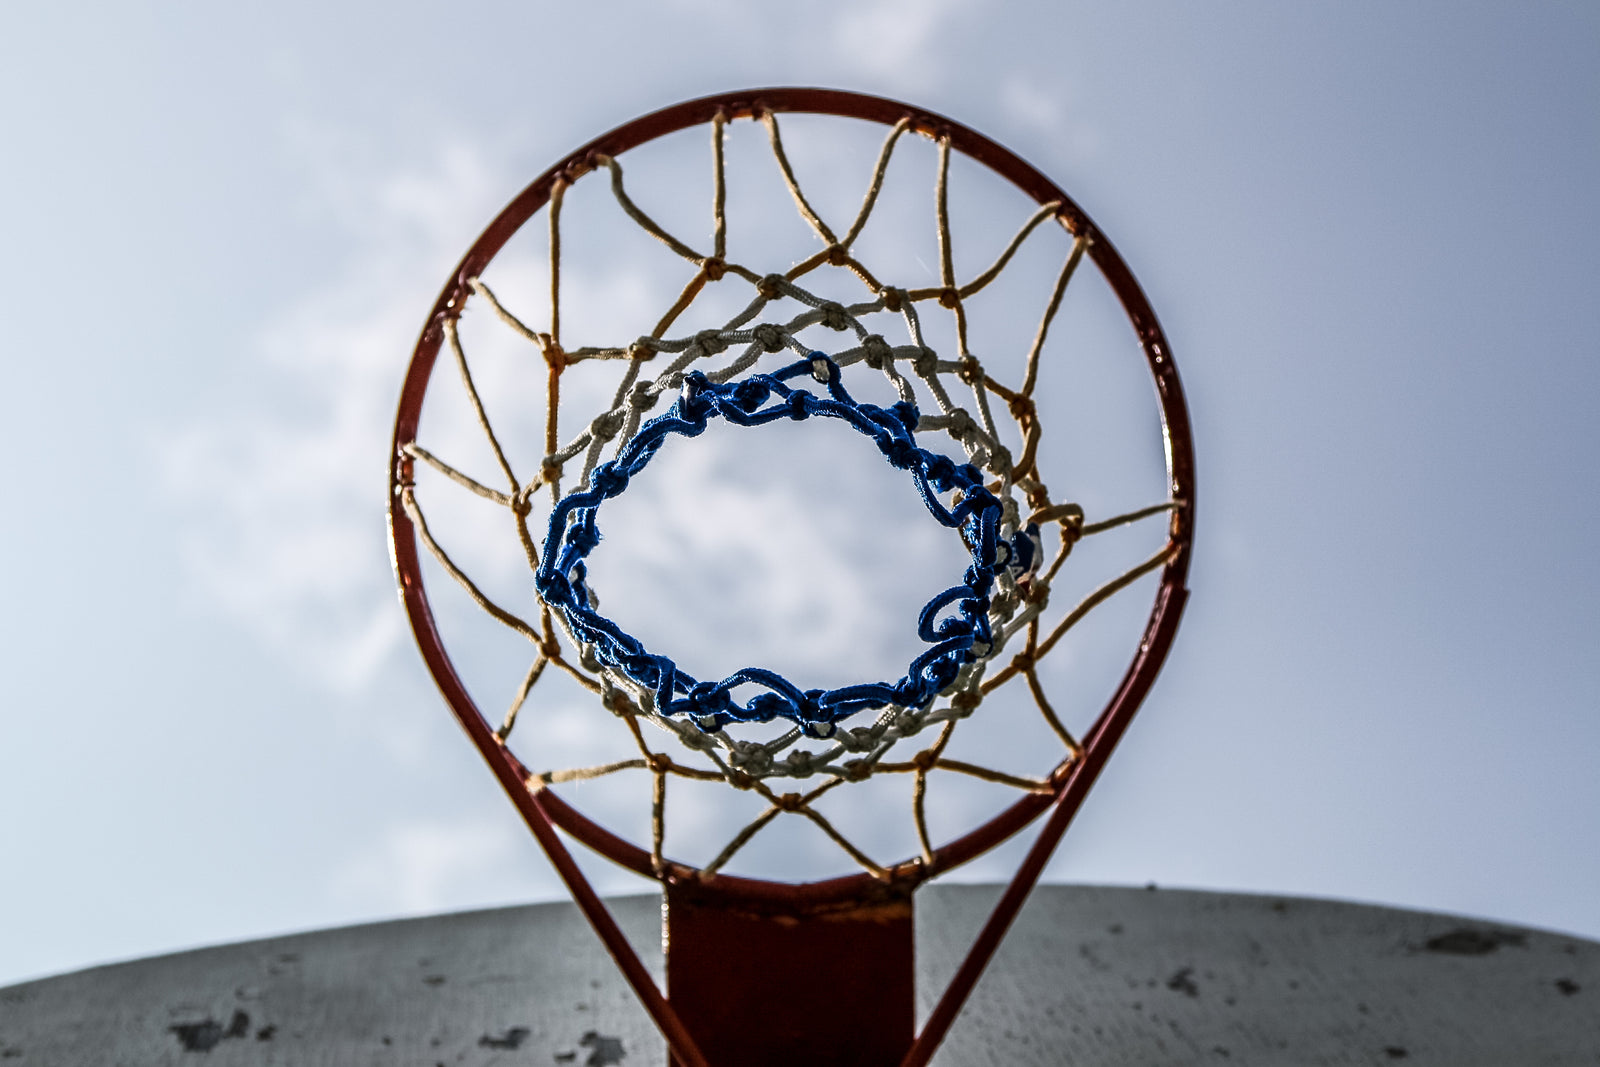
<point x="1094" y="977"/>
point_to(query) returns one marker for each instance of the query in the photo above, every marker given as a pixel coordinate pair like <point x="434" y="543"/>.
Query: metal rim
<point x="544" y="807"/>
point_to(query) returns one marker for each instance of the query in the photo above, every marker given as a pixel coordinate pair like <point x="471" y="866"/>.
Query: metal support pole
<point x="791" y="983"/>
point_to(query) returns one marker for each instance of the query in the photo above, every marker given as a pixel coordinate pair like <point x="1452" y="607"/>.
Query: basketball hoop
<point x="761" y="970"/>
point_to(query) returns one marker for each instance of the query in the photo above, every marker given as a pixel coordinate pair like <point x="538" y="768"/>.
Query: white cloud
<point x="429" y="865"/>
<point x="1030" y="102"/>
<point x="282" y="501"/>
<point x="892" y="37"/>
<point x="1047" y="110"/>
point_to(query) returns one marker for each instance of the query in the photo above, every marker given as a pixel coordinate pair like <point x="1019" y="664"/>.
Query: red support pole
<point x="791" y="983"/>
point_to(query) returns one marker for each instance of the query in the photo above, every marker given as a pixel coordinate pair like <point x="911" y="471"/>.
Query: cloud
<point x="1030" y="102"/>
<point x="892" y="37"/>
<point x="432" y="864"/>
<point x="1046" y="109"/>
<point x="890" y="41"/>
<point x="280" y="493"/>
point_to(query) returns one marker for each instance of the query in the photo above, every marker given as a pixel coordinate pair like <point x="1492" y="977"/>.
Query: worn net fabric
<point x="880" y="334"/>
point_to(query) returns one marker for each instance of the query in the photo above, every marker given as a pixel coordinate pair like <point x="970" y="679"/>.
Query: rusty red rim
<point x="544" y="809"/>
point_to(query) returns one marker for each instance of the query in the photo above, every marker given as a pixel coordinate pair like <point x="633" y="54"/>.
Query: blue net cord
<point x="954" y="623"/>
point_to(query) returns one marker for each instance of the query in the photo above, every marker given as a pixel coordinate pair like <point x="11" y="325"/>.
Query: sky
<point x="1367" y="229"/>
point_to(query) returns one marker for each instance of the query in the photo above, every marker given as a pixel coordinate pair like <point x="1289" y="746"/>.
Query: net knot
<point x="614" y="700"/>
<point x="858" y="770"/>
<point x="696" y="741"/>
<point x="969" y="370"/>
<point x="550" y="471"/>
<point x="878" y="353"/>
<point x="790" y="802"/>
<point x="748" y="755"/>
<point x="865" y="737"/>
<point x="642" y="397"/>
<point x="772" y="286"/>
<point x="606" y="425"/>
<point x="893" y="299"/>
<point x="800" y="762"/>
<point x="959" y="424"/>
<point x="1023" y="661"/>
<point x="834" y="316"/>
<point x="1068" y="516"/>
<point x="769" y="336"/>
<point x="1000" y="460"/>
<point x="554" y="355"/>
<point x="900" y="453"/>
<point x="924" y="761"/>
<point x="751" y="394"/>
<point x="715" y="267"/>
<point x="838" y="254"/>
<point x="926" y="362"/>
<point x="1022" y="408"/>
<point x="949" y="297"/>
<point x="966" y="701"/>
<point x="710" y="342"/>
<point x="610" y="479"/>
<point x="660" y="762"/>
<point x="740" y="780"/>
<point x="643" y="349"/>
<point x="857" y="739"/>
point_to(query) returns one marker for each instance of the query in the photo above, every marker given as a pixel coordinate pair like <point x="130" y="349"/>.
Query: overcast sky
<point x="1369" y="231"/>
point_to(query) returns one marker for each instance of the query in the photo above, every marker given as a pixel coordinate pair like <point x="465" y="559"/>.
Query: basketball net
<point x="790" y="353"/>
